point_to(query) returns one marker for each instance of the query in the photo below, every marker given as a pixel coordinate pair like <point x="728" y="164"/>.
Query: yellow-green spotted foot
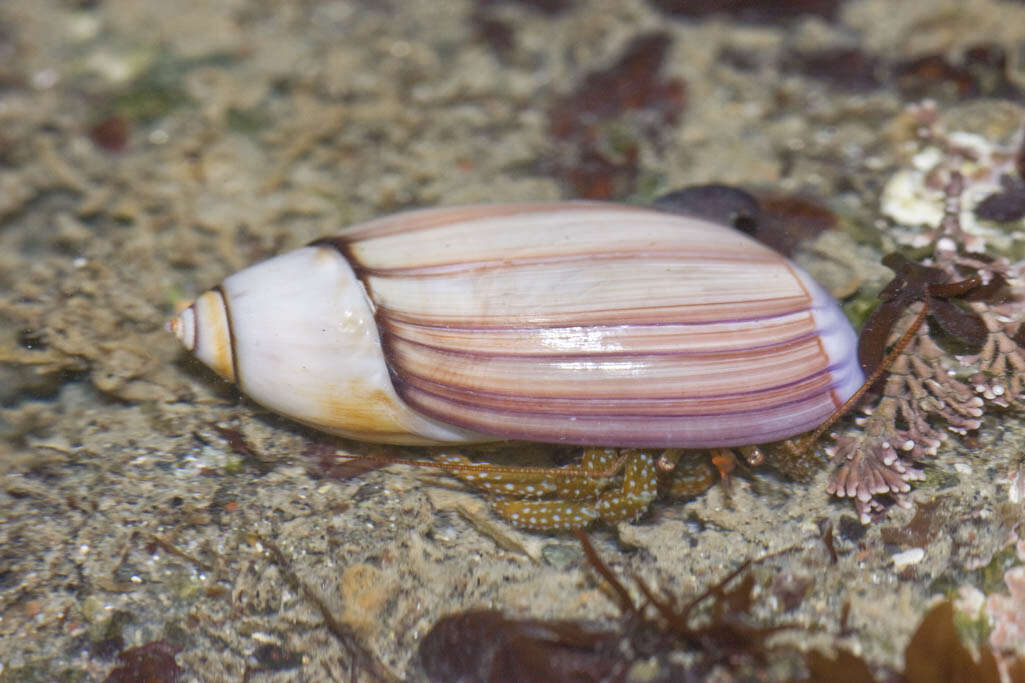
<point x="608" y="485"/>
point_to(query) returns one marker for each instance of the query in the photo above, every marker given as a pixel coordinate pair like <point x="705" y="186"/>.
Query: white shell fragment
<point x="907" y="558"/>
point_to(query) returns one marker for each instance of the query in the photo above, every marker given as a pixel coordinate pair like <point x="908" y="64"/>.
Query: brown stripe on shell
<point x="582" y="293"/>
<point x="706" y="337"/>
<point x="564" y="230"/>
<point x="617" y="429"/>
<point x="237" y="377"/>
<point x="425" y="219"/>
<point x="682" y="315"/>
<point x="617" y="376"/>
<point x="813" y="387"/>
<point x="592" y="257"/>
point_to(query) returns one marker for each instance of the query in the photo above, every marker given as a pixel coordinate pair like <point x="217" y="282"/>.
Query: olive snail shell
<point x="569" y="322"/>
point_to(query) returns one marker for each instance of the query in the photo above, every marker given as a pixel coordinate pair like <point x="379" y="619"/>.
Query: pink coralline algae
<point x="1006" y="613"/>
<point x="967" y="357"/>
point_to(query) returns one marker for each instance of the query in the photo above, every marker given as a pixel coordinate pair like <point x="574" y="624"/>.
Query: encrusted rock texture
<point x="151" y="517"/>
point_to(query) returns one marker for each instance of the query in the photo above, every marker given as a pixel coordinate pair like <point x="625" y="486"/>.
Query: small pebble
<point x="907" y="558"/>
<point x="561" y="556"/>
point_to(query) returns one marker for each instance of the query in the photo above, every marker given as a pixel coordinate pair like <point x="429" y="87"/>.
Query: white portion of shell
<point x="184" y="328"/>
<point x="306" y="345"/>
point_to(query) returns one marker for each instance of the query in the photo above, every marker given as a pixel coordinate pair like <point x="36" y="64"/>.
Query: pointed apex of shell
<point x="184" y="327"/>
<point x="203" y="328"/>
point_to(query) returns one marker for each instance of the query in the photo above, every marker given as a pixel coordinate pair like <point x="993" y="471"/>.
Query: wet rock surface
<point x="148" y="149"/>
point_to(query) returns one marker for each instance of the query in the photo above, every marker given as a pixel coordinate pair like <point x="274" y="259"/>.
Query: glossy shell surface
<point x="570" y="322"/>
